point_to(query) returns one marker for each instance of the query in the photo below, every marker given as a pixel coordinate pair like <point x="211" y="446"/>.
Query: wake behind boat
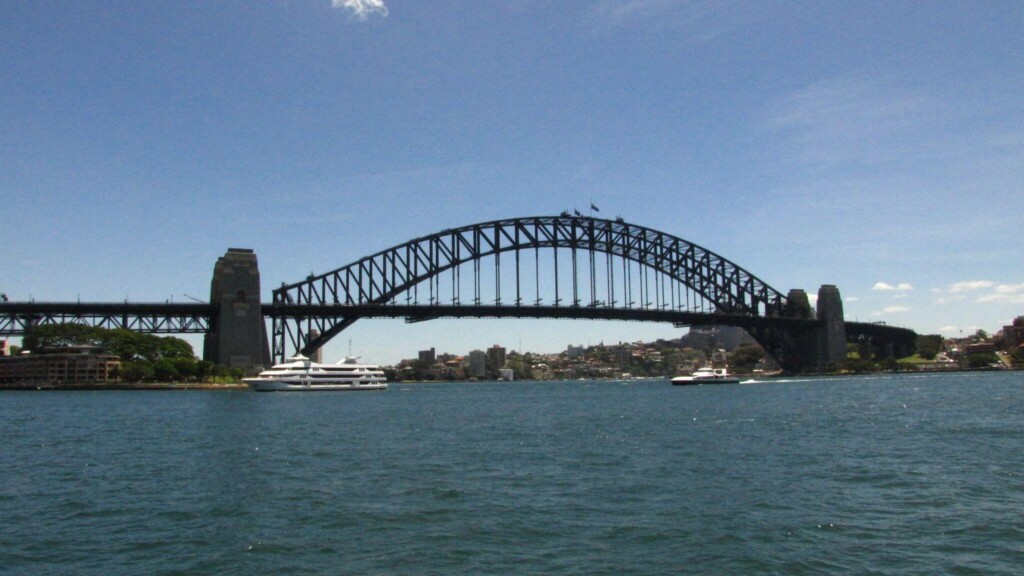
<point x="301" y="374"/>
<point x="706" y="376"/>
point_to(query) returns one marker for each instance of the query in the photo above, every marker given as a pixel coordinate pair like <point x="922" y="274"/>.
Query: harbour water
<point x="874" y="475"/>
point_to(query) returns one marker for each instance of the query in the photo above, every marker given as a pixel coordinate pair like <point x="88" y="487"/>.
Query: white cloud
<point x="969" y="286"/>
<point x="995" y="293"/>
<point x="701" y="21"/>
<point x="901" y="287"/>
<point x="1009" y="293"/>
<point x="362" y="9"/>
<point x="891" y="310"/>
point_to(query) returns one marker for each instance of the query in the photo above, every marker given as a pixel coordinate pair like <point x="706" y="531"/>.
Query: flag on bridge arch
<point x="594" y="208"/>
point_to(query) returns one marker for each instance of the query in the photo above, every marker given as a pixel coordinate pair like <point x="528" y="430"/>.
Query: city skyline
<point x="875" y="146"/>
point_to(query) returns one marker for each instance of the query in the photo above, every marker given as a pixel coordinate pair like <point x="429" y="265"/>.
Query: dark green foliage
<point x="136" y="371"/>
<point x="60" y="335"/>
<point x="982" y="360"/>
<point x="859" y="365"/>
<point x="171" y="347"/>
<point x="234" y="373"/>
<point x="128" y="345"/>
<point x="890" y="364"/>
<point x="745" y="358"/>
<point x="144" y="357"/>
<point x="929" y="346"/>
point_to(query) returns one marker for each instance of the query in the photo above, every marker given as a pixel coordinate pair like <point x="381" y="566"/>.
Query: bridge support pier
<point x="831" y="333"/>
<point x="818" y="348"/>
<point x="237" y="335"/>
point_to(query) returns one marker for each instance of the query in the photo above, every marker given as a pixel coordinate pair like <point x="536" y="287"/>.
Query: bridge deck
<point x="186" y="317"/>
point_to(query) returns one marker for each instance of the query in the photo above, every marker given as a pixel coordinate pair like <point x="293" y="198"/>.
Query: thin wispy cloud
<point x="885" y="287"/>
<point x="854" y="120"/>
<point x="362" y="9"/>
<point x="981" y="291"/>
<point x="969" y="286"/>
<point x="891" y="310"/>
<point x="702" y="21"/>
<point x="1009" y="293"/>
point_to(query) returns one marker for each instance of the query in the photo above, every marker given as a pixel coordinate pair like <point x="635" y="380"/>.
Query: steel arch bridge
<point x="566" y="266"/>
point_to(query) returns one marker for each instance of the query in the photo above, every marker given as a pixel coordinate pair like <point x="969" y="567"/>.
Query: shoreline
<point x="235" y="387"/>
<point x="92" y="386"/>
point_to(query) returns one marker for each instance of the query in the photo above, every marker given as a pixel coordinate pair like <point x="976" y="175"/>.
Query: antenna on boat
<point x="350" y="347"/>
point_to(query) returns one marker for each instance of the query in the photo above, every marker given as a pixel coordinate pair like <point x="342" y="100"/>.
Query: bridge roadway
<point x="195" y="318"/>
<point x="148" y="317"/>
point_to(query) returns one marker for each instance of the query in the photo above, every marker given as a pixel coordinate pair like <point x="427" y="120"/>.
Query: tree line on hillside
<point x="144" y="357"/>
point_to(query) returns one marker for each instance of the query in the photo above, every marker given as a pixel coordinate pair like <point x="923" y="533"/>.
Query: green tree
<point x="128" y="345"/>
<point x="858" y="365"/>
<point x="165" y="370"/>
<point x="982" y="359"/>
<point x="60" y="335"/>
<point x="187" y="368"/>
<point x="745" y="358"/>
<point x="929" y="346"/>
<point x="889" y="364"/>
<point x="144" y="357"/>
<point x="204" y="370"/>
<point x="137" y="371"/>
<point x="421" y="370"/>
<point x="171" y="347"/>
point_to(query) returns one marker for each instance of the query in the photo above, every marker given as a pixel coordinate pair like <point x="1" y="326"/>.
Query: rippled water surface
<point x="889" y="475"/>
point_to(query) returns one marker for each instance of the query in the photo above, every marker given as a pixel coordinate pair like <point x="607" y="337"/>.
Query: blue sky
<point x="875" y="146"/>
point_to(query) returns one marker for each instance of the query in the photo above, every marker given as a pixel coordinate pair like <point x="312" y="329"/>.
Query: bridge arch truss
<point x="566" y="263"/>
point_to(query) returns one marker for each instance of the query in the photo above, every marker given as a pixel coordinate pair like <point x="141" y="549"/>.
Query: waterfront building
<point x="428" y="355"/>
<point x="979" y="348"/>
<point x="506" y="374"/>
<point x="573" y="352"/>
<point x="70" y="365"/>
<point x="5" y="347"/>
<point x="496" y="357"/>
<point x="477" y="361"/>
<point x="1014" y="333"/>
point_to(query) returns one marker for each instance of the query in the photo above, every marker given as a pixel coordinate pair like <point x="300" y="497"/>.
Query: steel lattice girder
<point x="154" y="318"/>
<point x="379" y="278"/>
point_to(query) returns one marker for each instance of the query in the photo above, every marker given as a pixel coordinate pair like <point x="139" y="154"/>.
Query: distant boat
<point x="299" y="374"/>
<point x="706" y="376"/>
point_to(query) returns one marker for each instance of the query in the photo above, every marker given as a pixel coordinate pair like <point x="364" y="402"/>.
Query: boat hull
<point x="259" y="385"/>
<point x="688" y="381"/>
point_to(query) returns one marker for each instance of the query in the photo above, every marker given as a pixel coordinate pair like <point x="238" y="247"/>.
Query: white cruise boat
<point x="301" y="374"/>
<point x="706" y="376"/>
